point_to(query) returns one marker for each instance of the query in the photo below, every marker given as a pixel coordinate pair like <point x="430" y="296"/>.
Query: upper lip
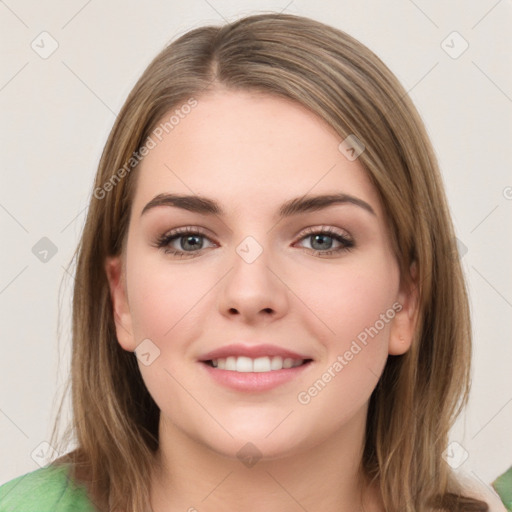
<point x="252" y="351"/>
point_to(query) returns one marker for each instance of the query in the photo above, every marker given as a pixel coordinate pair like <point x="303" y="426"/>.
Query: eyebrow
<point x="207" y="206"/>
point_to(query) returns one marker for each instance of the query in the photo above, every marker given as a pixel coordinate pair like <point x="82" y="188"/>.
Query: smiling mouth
<point x="260" y="364"/>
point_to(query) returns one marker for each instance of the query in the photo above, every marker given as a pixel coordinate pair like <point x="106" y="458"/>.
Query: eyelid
<point x="324" y="229"/>
<point x="181" y="231"/>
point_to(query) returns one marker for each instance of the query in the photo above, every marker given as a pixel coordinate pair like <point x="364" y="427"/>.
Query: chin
<point x="249" y="443"/>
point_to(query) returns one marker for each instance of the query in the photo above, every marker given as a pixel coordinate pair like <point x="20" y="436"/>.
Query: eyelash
<point x="163" y="241"/>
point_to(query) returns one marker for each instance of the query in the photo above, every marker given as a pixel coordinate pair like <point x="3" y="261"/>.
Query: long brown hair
<point x="420" y="393"/>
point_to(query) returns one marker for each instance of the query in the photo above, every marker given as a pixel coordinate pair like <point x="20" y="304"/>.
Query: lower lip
<point x="254" y="381"/>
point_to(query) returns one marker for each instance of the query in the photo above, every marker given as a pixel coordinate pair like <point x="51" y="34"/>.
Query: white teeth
<point x="244" y="364"/>
<point x="276" y="363"/>
<point x="260" y="364"/>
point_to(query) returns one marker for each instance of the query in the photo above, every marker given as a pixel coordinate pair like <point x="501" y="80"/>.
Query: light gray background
<point x="57" y="112"/>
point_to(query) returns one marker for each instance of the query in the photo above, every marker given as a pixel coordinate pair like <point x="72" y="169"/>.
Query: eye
<point x="322" y="239"/>
<point x="190" y="245"/>
<point x="188" y="238"/>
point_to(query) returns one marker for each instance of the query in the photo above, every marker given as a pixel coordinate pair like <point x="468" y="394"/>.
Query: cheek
<point x="356" y="306"/>
<point x="167" y="304"/>
<point x="354" y="303"/>
<point x="351" y="297"/>
<point x="164" y="298"/>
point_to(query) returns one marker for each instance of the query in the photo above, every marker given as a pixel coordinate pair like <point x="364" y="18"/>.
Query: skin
<point x="251" y="153"/>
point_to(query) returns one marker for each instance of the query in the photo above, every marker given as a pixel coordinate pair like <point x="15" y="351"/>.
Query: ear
<point x="404" y="323"/>
<point x="114" y="269"/>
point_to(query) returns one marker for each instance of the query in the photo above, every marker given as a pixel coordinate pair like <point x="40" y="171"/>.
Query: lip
<point x="252" y="351"/>
<point x="254" y="381"/>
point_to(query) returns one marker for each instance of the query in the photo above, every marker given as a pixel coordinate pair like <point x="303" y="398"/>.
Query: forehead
<point x="246" y="150"/>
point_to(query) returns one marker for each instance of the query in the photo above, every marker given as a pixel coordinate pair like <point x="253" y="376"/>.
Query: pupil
<point x="192" y="237"/>
<point x="322" y="237"/>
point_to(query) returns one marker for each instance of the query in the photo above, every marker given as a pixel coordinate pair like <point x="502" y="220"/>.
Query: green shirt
<point x="46" y="489"/>
<point x="503" y="486"/>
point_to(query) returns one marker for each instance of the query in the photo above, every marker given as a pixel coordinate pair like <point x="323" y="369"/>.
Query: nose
<point x="253" y="289"/>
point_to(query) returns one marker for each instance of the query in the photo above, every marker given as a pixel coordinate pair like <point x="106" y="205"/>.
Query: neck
<point x="190" y="476"/>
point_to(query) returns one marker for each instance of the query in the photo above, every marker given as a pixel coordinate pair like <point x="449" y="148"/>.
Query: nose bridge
<point x="252" y="262"/>
<point x="250" y="249"/>
<point x="251" y="237"/>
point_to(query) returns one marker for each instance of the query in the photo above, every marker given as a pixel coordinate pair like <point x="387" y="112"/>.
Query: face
<point x="319" y="286"/>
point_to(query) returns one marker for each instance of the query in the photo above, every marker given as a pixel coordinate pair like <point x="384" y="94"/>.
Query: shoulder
<point x="503" y="486"/>
<point x="46" y="489"/>
<point x="473" y="487"/>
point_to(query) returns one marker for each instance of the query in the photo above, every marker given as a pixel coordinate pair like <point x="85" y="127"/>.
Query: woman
<point x="218" y="362"/>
